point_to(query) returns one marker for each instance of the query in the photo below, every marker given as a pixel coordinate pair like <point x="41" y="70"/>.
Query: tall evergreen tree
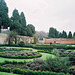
<point x="70" y="35"/>
<point x="15" y="15"/>
<point x="74" y="34"/>
<point x="15" y="21"/>
<point x="64" y="34"/>
<point x="60" y="35"/>
<point x="4" y="19"/>
<point x="22" y="20"/>
<point x="30" y="30"/>
<point x="56" y="34"/>
<point x="51" y="33"/>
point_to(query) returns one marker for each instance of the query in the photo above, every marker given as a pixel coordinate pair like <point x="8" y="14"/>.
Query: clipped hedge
<point x="4" y="69"/>
<point x="12" y="62"/>
<point x="20" y="57"/>
<point x="14" y="49"/>
<point x="41" y="46"/>
<point x="30" y="72"/>
<point x="67" y="55"/>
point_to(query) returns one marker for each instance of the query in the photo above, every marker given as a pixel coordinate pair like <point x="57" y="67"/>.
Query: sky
<point x="44" y="14"/>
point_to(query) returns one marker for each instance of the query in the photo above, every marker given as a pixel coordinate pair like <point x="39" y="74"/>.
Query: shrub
<point x="55" y="52"/>
<point x="57" y="64"/>
<point x="30" y="72"/>
<point x="3" y="69"/>
<point x="21" y="44"/>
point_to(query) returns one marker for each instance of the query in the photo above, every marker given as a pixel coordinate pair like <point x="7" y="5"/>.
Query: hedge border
<point x="28" y="72"/>
<point x="21" y="57"/>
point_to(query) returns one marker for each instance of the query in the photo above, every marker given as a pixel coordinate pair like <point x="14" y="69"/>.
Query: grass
<point x="4" y="73"/>
<point x="44" y="55"/>
<point x="73" y="45"/>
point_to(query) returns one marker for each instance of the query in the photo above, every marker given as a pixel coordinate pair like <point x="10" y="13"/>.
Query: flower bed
<point x="20" y="55"/>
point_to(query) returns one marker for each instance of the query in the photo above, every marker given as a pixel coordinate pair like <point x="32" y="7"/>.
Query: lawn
<point x="4" y="73"/>
<point x="44" y="55"/>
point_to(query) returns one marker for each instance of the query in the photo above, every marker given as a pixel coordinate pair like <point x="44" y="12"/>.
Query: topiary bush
<point x="21" y="43"/>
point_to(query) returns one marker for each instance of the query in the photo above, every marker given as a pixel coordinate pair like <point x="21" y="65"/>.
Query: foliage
<point x="57" y="64"/>
<point x="55" y="52"/>
<point x="21" y="57"/>
<point x="19" y="24"/>
<point x="35" y="39"/>
<point x="11" y="36"/>
<point x="21" y="44"/>
<point x="30" y="72"/>
<point x="13" y="62"/>
<point x="30" y="30"/>
<point x="64" y="34"/>
<point x="74" y="35"/>
<point x="53" y="33"/>
<point x="4" y="19"/>
<point x="70" y="35"/>
<point x="3" y="69"/>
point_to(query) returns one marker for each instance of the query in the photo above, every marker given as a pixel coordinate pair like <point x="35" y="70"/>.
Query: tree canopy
<point x="54" y="33"/>
<point x="70" y="35"/>
<point x="4" y="19"/>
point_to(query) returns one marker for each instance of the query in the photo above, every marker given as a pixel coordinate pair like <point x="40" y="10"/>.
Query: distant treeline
<point x="54" y="33"/>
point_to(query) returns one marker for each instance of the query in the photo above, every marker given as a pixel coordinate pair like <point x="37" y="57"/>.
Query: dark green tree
<point x="51" y="33"/>
<point x="15" y="15"/>
<point x="56" y="34"/>
<point x="22" y="20"/>
<point x="30" y="30"/>
<point x="60" y="35"/>
<point x="64" y="34"/>
<point x="4" y="19"/>
<point x="74" y="34"/>
<point x="70" y="34"/>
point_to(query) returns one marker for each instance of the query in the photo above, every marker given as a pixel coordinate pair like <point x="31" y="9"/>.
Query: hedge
<point x="12" y="62"/>
<point x="14" y="49"/>
<point x="41" y="46"/>
<point x="4" y="69"/>
<point x="67" y="55"/>
<point x="26" y="72"/>
<point x="21" y="57"/>
<point x="30" y="72"/>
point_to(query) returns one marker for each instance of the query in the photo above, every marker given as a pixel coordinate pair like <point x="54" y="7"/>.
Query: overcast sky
<point x="44" y="14"/>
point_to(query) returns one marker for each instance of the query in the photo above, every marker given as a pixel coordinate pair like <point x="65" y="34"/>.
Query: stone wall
<point x="26" y="39"/>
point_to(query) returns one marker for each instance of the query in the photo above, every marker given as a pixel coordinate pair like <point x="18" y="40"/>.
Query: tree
<point x="51" y="33"/>
<point x="23" y="20"/>
<point x="4" y="19"/>
<point x="70" y="35"/>
<point x="56" y="33"/>
<point x="60" y="35"/>
<point x="35" y="39"/>
<point x="74" y="34"/>
<point x="64" y="34"/>
<point x="30" y="30"/>
<point x="11" y="36"/>
<point x="15" y="15"/>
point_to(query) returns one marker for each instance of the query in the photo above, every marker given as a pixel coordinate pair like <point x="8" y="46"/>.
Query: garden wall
<point x="26" y="39"/>
<point x="60" y="40"/>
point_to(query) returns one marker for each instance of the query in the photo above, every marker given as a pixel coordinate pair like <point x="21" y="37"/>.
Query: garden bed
<point x="20" y="55"/>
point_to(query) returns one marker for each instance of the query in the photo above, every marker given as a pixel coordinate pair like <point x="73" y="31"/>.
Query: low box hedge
<point x="21" y="57"/>
<point x="30" y="72"/>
